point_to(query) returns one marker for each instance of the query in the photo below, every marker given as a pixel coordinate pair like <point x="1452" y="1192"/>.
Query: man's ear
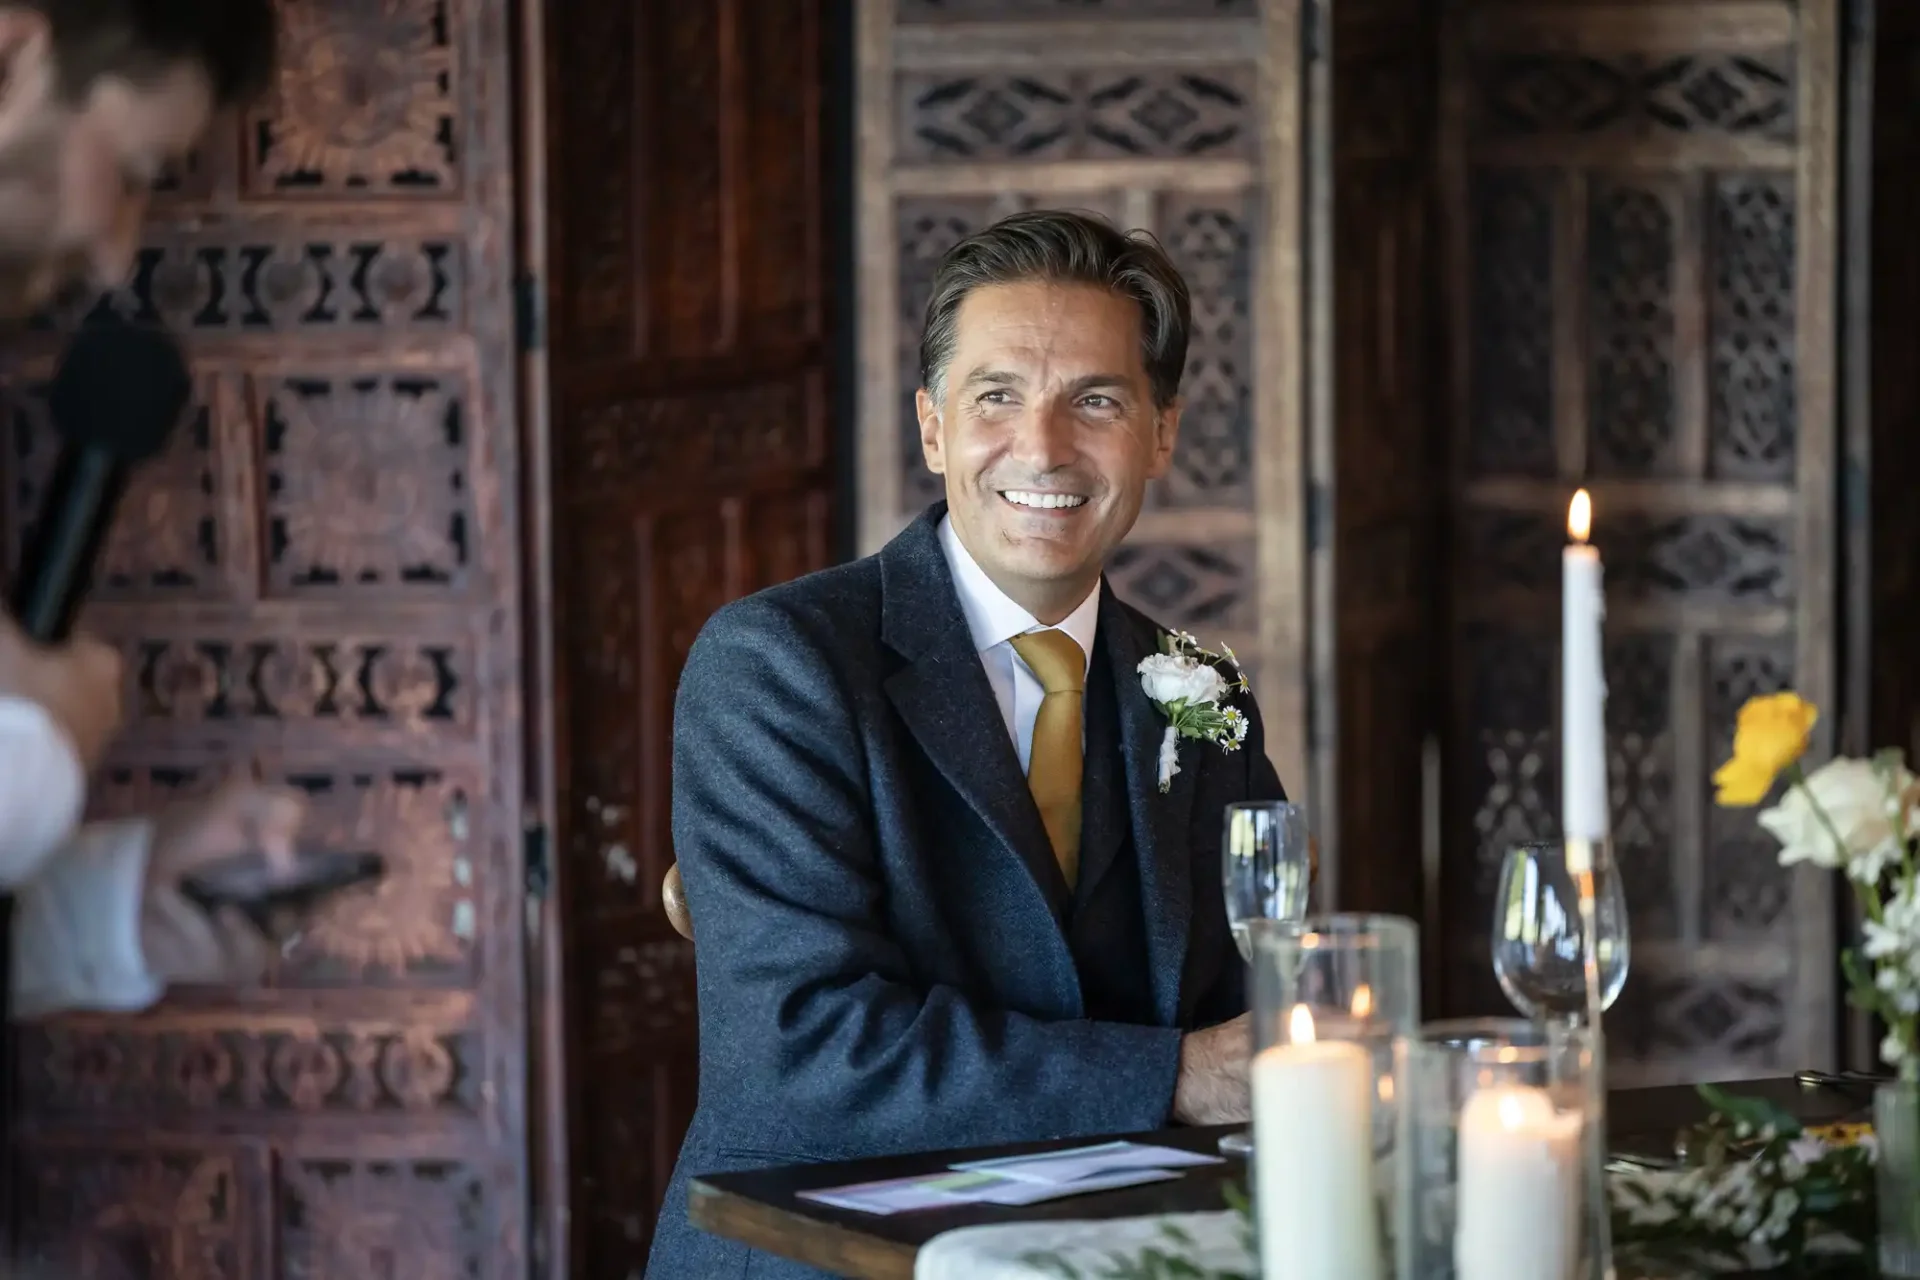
<point x="26" y="66"/>
<point x="1166" y="434"/>
<point x="927" y="409"/>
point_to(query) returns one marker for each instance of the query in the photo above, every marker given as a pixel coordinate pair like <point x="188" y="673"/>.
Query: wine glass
<point x="1267" y="868"/>
<point x="1537" y="933"/>
<point x="1265" y="865"/>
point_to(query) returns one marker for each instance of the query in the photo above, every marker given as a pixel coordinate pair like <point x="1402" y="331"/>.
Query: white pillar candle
<point x="1583" y="690"/>
<point x="1313" y="1158"/>
<point x="1518" y="1198"/>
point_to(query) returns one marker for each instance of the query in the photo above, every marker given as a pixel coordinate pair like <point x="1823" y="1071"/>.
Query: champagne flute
<point x="1265" y="865"/>
<point x="1537" y="933"/>
<point x="1267" y="869"/>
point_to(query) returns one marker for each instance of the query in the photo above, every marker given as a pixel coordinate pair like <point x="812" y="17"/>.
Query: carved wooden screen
<point x="321" y="581"/>
<point x="693" y="343"/>
<point x="1642" y="203"/>
<point x="1178" y="116"/>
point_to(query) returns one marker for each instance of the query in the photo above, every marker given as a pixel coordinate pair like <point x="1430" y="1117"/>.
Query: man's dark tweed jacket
<point x="888" y="957"/>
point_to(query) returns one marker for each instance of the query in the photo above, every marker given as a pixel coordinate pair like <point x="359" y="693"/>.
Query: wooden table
<point x="761" y="1208"/>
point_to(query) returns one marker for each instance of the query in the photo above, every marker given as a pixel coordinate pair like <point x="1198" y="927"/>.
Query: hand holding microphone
<point x="116" y="397"/>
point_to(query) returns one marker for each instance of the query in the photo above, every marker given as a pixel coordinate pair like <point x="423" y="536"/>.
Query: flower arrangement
<point x="1756" y="1190"/>
<point x="1858" y="817"/>
<point x="1189" y="684"/>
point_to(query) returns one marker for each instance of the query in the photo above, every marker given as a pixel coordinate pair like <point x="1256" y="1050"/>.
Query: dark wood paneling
<point x="321" y="581"/>
<point x="692" y="367"/>
<point x="1386" y="448"/>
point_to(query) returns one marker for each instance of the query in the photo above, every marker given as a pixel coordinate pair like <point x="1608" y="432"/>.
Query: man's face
<point x="75" y="176"/>
<point x="1047" y="435"/>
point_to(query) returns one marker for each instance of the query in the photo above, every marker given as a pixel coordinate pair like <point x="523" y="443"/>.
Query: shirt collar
<point x="992" y="617"/>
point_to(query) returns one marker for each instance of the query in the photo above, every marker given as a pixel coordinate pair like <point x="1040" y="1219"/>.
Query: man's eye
<point x="1099" y="402"/>
<point x="995" y="397"/>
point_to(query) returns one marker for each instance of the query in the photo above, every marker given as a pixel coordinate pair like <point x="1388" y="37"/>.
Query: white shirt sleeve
<point x="77" y="895"/>
<point x="77" y="926"/>
<point x="41" y="788"/>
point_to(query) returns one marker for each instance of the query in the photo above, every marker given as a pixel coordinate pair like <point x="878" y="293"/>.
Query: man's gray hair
<point x="1063" y="247"/>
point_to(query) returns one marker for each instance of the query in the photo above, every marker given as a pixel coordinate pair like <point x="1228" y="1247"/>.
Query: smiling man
<point x="939" y="896"/>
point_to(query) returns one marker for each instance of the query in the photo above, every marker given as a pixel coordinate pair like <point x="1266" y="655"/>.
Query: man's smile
<point x="1039" y="500"/>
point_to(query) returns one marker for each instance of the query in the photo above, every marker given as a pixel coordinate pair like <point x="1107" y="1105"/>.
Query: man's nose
<point x="1044" y="441"/>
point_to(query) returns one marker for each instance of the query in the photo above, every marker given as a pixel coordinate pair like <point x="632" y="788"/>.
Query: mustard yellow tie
<point x="1054" y="762"/>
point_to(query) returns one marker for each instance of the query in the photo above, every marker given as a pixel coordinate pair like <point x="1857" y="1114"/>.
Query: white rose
<point x="1169" y="677"/>
<point x="1854" y="799"/>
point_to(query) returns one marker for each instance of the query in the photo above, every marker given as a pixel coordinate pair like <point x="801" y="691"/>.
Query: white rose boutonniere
<point x="1188" y="684"/>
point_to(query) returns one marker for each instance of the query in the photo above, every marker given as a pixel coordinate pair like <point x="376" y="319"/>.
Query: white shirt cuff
<point x="42" y="788"/>
<point x="77" y="926"/>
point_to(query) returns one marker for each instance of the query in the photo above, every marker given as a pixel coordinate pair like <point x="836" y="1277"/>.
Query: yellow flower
<point x="1771" y="734"/>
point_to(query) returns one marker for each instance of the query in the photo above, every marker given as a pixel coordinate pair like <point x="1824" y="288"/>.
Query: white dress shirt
<point x="77" y="894"/>
<point x="995" y="620"/>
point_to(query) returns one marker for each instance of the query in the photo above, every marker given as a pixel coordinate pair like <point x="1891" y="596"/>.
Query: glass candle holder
<point x="1336" y="1002"/>
<point x="1507" y="1183"/>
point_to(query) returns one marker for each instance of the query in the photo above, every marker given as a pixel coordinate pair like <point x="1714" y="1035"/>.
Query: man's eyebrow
<point x="983" y="375"/>
<point x="1093" y="380"/>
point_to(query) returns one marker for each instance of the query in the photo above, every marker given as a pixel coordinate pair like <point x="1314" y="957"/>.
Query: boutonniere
<point x="1188" y="684"/>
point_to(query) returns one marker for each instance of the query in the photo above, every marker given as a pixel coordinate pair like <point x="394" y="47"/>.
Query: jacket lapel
<point x="943" y="696"/>
<point x="1161" y="823"/>
<point x="1103" y="786"/>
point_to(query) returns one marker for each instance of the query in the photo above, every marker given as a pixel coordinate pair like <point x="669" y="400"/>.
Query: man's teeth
<point x="1023" y="498"/>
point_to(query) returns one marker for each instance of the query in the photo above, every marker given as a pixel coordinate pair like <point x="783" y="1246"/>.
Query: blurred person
<point x="97" y="98"/>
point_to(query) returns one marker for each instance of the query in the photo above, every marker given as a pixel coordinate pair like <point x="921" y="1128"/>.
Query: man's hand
<point x="241" y="817"/>
<point x="77" y="683"/>
<point x="1212" y="1087"/>
<point x="182" y="942"/>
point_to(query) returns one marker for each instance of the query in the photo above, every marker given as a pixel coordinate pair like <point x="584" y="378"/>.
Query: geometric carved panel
<point x="1207" y="237"/>
<point x="1630" y="229"/>
<point x="1017" y="10"/>
<point x="1711" y="93"/>
<point x="1510" y="431"/>
<point x="1719" y="558"/>
<point x="1640" y="745"/>
<point x="1711" y="1017"/>
<point x="1070" y="115"/>
<point x="1753" y="402"/>
<point x="166" y="537"/>
<point x="329" y="281"/>
<point x="1208" y="589"/>
<point x="155" y="1209"/>
<point x="367" y="481"/>
<point x="368" y="105"/>
<point x="418" y="921"/>
<point x="423" y="1219"/>
<point x="364" y="1069"/>
<point x="408" y="683"/>
<point x="1747" y="891"/>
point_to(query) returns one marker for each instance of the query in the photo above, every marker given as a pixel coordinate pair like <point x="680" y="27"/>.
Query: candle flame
<point x="1363" y="1001"/>
<point x="1300" y="1025"/>
<point x="1580" y="516"/>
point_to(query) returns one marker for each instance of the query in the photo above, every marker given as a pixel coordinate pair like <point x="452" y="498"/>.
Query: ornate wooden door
<point x="691" y="150"/>
<point x="1643" y="206"/>
<point x="322" y="581"/>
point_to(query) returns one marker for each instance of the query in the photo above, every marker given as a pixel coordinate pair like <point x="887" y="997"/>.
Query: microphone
<point x="117" y="395"/>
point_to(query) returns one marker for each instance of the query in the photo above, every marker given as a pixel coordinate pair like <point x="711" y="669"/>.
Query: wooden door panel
<point x="320" y="581"/>
<point x="693" y="449"/>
